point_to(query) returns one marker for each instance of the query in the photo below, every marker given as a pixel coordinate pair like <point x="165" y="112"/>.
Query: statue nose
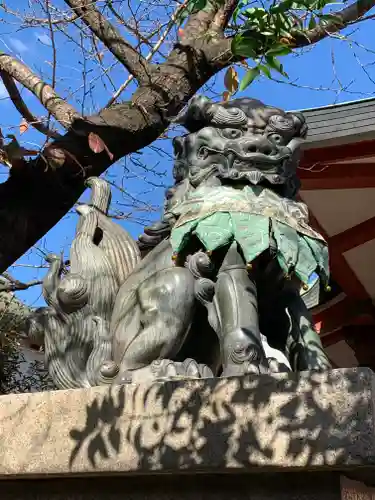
<point x="257" y="145"/>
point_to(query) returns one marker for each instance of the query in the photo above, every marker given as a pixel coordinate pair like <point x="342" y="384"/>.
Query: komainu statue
<point x="213" y="288"/>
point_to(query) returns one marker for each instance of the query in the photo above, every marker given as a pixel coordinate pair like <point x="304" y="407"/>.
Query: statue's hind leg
<point x="154" y="325"/>
<point x="305" y="347"/>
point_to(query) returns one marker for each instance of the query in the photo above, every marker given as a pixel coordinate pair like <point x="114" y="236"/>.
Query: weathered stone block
<point x="302" y="421"/>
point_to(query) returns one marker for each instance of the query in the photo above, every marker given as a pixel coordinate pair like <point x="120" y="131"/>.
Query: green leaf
<point x="253" y="14"/>
<point x="236" y="13"/>
<point x="249" y="77"/>
<point x="278" y="50"/>
<point x="239" y="7"/>
<point x="282" y="6"/>
<point x="249" y="12"/>
<point x="276" y="65"/>
<point x="325" y="3"/>
<point x="256" y="12"/>
<point x="243" y="46"/>
<point x="265" y="70"/>
<point x="312" y="23"/>
<point x="288" y="24"/>
<point x="191" y="7"/>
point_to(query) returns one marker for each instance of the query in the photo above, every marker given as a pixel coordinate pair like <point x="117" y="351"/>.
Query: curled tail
<point x="116" y="243"/>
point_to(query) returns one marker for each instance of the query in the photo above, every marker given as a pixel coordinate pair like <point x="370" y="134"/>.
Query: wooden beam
<point x="333" y="338"/>
<point x="330" y="154"/>
<point x="343" y="183"/>
<point x="361" y="339"/>
<point x="345" y="312"/>
<point x="350" y="333"/>
<point x="354" y="236"/>
<point x="338" y="176"/>
<point x="340" y="269"/>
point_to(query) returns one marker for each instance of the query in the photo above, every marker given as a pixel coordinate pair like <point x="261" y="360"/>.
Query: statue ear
<point x="195" y="115"/>
<point x="178" y="146"/>
<point x="299" y="123"/>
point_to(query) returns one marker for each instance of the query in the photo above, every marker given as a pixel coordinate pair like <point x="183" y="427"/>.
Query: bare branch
<point x="366" y="18"/>
<point x="149" y="56"/>
<point x="343" y="18"/>
<point x="33" y="201"/>
<point x="22" y="108"/>
<point x="124" y="128"/>
<point x="54" y="52"/>
<point x="12" y="284"/>
<point x="112" y="39"/>
<point x="31" y="266"/>
<point x="35" y="21"/>
<point x="58" y="107"/>
<point x="128" y="26"/>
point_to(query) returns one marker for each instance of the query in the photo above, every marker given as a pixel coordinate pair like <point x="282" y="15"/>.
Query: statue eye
<point x="232" y="133"/>
<point x="281" y="123"/>
<point x="203" y="153"/>
<point x="169" y="193"/>
<point x="276" y="138"/>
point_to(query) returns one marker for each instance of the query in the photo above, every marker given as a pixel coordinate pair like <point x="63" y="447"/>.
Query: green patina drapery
<point x="256" y="218"/>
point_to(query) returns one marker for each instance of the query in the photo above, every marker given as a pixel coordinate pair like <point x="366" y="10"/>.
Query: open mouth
<point x="256" y="162"/>
<point x="234" y="157"/>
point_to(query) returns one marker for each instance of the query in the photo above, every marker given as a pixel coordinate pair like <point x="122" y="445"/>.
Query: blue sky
<point x="333" y="71"/>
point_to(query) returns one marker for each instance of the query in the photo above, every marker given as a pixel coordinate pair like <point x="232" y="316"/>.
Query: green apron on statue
<point x="253" y="216"/>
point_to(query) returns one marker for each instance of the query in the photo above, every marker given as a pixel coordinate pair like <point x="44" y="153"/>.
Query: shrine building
<point x="337" y="172"/>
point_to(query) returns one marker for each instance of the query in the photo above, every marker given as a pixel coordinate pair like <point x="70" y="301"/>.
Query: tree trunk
<point x="34" y="199"/>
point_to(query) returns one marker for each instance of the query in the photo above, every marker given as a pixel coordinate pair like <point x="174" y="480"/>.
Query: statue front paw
<point x="165" y="369"/>
<point x="243" y="359"/>
<point x="107" y="373"/>
<point x="154" y="234"/>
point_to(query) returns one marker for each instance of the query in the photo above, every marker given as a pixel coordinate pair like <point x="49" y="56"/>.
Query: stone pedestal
<point x="255" y="437"/>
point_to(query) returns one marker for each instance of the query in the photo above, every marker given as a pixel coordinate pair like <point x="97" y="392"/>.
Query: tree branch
<point x="21" y="107"/>
<point x="11" y="284"/>
<point x="224" y="15"/>
<point x="36" y="21"/>
<point x="129" y="27"/>
<point x="154" y="49"/>
<point x="112" y="39"/>
<point x="200" y="23"/>
<point x="33" y="200"/>
<point x="345" y="17"/>
<point x="60" y="109"/>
